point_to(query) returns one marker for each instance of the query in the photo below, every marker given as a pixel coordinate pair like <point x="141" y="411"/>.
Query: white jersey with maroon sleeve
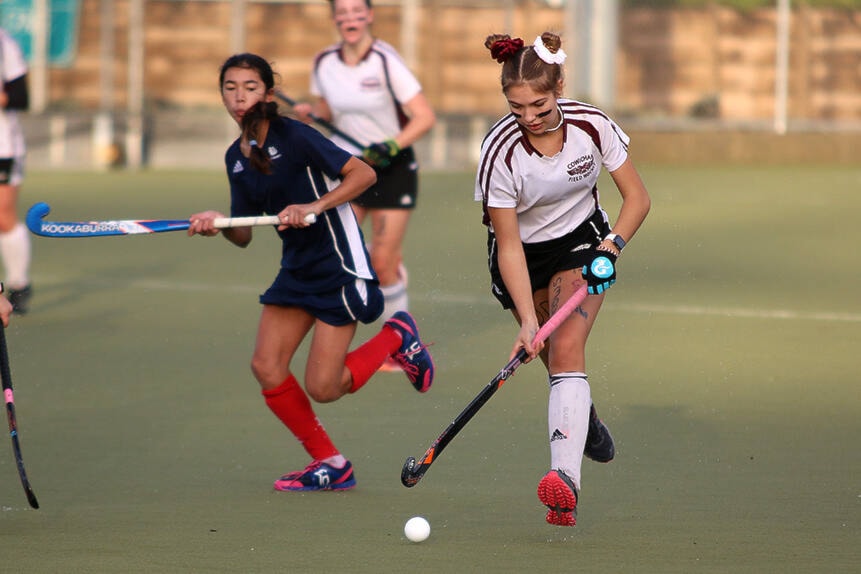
<point x="12" y="67"/>
<point x="366" y="100"/>
<point x="552" y="195"/>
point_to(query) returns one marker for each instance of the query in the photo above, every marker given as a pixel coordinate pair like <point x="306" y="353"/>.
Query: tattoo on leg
<point x="555" y="293"/>
<point x="380" y="228"/>
<point x="555" y="298"/>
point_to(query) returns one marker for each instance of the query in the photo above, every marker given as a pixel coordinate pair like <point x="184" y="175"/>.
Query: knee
<point x="267" y="374"/>
<point x="566" y="356"/>
<point x="381" y="258"/>
<point x="323" y="393"/>
<point x="8" y="221"/>
<point x="386" y="267"/>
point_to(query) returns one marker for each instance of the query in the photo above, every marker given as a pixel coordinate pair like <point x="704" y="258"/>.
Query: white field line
<point x="728" y="312"/>
<point x="466" y="299"/>
<point x="156" y="285"/>
<point x="737" y="313"/>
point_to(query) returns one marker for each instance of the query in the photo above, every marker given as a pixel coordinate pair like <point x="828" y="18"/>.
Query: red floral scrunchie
<point x="502" y="50"/>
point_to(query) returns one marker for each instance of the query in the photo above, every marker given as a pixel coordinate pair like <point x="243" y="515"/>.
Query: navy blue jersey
<point x="325" y="255"/>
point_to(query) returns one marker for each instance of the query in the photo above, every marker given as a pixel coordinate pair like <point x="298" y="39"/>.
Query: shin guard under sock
<point x="365" y="360"/>
<point x="568" y="422"/>
<point x="291" y="405"/>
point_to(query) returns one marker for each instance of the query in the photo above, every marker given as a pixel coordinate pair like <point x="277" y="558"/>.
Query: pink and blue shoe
<point x="318" y="476"/>
<point x="413" y="356"/>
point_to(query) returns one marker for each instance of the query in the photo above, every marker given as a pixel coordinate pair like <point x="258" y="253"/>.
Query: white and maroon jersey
<point x="12" y="67"/>
<point x="552" y="195"/>
<point x="366" y="100"/>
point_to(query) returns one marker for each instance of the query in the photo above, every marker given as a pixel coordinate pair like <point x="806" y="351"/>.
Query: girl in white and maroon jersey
<point x="14" y="239"/>
<point x="363" y="86"/>
<point x="548" y="235"/>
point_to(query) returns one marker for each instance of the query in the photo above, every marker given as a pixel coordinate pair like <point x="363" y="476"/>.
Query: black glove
<point x="381" y="154"/>
<point x="600" y="273"/>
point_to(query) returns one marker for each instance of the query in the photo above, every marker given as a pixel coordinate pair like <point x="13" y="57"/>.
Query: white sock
<point x="15" y="252"/>
<point x="338" y="461"/>
<point x="396" y="299"/>
<point x="568" y="422"/>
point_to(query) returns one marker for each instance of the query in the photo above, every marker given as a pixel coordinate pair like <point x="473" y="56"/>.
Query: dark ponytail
<point x="256" y="115"/>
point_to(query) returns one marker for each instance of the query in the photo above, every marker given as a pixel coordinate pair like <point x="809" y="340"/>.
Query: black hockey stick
<point x="329" y="126"/>
<point x="6" y="376"/>
<point x="414" y="470"/>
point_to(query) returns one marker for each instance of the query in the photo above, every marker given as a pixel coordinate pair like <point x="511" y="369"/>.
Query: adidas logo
<point x="237" y="167"/>
<point x="558" y="435"/>
<point x="273" y="152"/>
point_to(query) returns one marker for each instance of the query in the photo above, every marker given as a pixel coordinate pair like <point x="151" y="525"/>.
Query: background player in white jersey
<point x="364" y="87"/>
<point x="5" y="308"/>
<point x="14" y="240"/>
<point x="547" y="235"/>
<point x="325" y="281"/>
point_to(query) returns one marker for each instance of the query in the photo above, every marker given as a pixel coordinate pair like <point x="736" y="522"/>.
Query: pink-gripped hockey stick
<point x="414" y="470"/>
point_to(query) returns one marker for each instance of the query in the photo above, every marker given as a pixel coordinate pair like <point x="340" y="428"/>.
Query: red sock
<point x="364" y="361"/>
<point x="290" y="404"/>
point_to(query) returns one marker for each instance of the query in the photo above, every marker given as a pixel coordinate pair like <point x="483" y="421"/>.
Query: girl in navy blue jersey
<point x="325" y="283"/>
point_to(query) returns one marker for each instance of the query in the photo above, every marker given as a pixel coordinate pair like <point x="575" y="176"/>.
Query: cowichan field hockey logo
<point x="580" y="167"/>
<point x="370" y="84"/>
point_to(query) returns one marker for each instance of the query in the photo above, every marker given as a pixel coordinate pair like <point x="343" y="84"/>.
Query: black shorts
<point x="397" y="185"/>
<point x="546" y="258"/>
<point x="11" y="171"/>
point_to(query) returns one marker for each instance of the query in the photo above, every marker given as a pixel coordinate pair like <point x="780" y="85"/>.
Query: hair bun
<point x="549" y="54"/>
<point x="502" y="50"/>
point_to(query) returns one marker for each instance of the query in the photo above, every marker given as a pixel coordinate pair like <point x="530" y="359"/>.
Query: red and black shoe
<point x="599" y="442"/>
<point x="557" y="492"/>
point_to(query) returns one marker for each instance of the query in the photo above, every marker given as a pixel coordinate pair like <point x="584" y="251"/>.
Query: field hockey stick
<point x="414" y="470"/>
<point x="329" y="126"/>
<point x="6" y="376"/>
<point x="37" y="225"/>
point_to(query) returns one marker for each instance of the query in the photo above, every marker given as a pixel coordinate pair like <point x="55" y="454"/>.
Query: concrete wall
<point x="713" y="62"/>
